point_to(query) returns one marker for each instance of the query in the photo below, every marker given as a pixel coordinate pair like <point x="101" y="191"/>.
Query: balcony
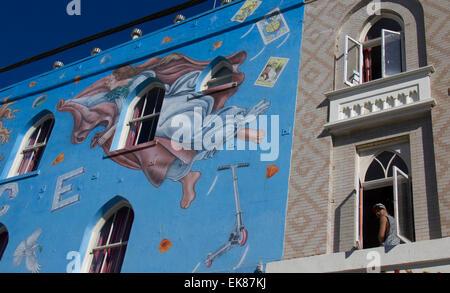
<point x="380" y="102"/>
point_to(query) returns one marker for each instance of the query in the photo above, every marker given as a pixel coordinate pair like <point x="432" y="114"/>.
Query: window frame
<point x="95" y="233"/>
<point x="396" y="173"/>
<point x="383" y="51"/>
<point x="366" y="154"/>
<point x="128" y="120"/>
<point x="24" y="147"/>
<point x="346" y="56"/>
<point x="374" y="43"/>
<point x="207" y="78"/>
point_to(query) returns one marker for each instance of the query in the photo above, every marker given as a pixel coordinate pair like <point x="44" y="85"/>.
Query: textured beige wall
<point x="437" y="32"/>
<point x="320" y="203"/>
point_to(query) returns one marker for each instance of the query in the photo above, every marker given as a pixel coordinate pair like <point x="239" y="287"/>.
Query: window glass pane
<point x="113" y="260"/>
<point x="97" y="261"/>
<point x="119" y="225"/>
<point x="223" y="76"/>
<point x="36" y="160"/>
<point x="104" y="232"/>
<point x="384" y="23"/>
<point x="151" y="98"/>
<point x="134" y="127"/>
<point x="385" y="158"/>
<point x="33" y="137"/>
<point x="126" y="234"/>
<point x="353" y="62"/>
<point x="405" y="215"/>
<point x="223" y="71"/>
<point x="26" y="162"/>
<point x="399" y="163"/>
<point x="46" y="129"/>
<point x="160" y="100"/>
<point x="144" y="131"/>
<point x="374" y="172"/>
<point x="392" y="53"/>
<point x="148" y="128"/>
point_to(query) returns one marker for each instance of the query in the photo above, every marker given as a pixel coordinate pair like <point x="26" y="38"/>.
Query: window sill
<point x="20" y="177"/>
<point x="132" y="149"/>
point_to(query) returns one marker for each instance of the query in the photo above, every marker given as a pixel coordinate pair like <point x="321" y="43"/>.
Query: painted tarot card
<point x="273" y="26"/>
<point x="246" y="10"/>
<point x="272" y="71"/>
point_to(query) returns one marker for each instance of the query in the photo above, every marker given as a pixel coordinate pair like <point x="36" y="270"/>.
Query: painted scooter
<point x="239" y="234"/>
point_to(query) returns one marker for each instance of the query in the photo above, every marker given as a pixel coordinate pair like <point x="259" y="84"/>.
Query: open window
<point x="380" y="54"/>
<point x="217" y="76"/>
<point x="386" y="181"/>
<point x="403" y="206"/>
<point x="110" y="239"/>
<point x="143" y="116"/>
<point x="32" y="147"/>
<point x="4" y="236"/>
<point x="353" y="62"/>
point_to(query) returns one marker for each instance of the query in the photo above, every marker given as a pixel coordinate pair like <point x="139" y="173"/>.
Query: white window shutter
<point x="353" y="62"/>
<point x="391" y="52"/>
<point x="403" y="206"/>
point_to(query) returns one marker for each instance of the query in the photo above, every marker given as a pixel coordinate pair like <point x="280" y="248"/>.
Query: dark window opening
<point x="370" y="221"/>
<point x="145" y="117"/>
<point x="382" y="61"/>
<point x="35" y="147"/>
<point x="4" y="237"/>
<point x="109" y="252"/>
<point x="381" y="186"/>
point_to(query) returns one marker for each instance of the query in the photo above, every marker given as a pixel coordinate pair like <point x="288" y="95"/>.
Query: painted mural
<point x="6" y="113"/>
<point x="101" y="103"/>
<point x="219" y="207"/>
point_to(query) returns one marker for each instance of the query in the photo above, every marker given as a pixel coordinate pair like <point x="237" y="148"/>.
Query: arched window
<point x="3" y="240"/>
<point x="33" y="146"/>
<point x="110" y="239"/>
<point x="378" y="53"/>
<point x="142" y="119"/>
<point x="217" y="76"/>
<point x="382" y="166"/>
<point x="387" y="180"/>
<point x="383" y="50"/>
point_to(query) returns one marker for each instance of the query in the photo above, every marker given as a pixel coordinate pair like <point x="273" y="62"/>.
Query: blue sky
<point x="28" y="28"/>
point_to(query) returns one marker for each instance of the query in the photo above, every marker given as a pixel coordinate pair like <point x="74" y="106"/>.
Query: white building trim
<point x="423" y="254"/>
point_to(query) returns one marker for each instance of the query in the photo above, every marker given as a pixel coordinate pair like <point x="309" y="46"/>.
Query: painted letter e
<point x="74" y="7"/>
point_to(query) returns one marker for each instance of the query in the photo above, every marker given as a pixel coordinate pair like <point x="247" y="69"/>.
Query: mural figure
<point x="6" y="113"/>
<point x="101" y="104"/>
<point x="27" y="249"/>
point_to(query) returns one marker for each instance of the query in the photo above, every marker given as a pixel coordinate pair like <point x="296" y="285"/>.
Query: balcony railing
<point x="379" y="102"/>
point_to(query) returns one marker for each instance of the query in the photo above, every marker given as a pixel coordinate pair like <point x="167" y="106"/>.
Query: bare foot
<point x="252" y="135"/>
<point x="188" y="183"/>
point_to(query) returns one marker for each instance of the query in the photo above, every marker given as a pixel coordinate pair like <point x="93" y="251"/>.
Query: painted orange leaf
<point x="58" y="159"/>
<point x="167" y="39"/>
<point x="165" y="245"/>
<point x="271" y="170"/>
<point x="32" y="84"/>
<point x="217" y="45"/>
<point x="77" y="79"/>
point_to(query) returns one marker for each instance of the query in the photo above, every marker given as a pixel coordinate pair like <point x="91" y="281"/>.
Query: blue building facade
<point x="53" y="214"/>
